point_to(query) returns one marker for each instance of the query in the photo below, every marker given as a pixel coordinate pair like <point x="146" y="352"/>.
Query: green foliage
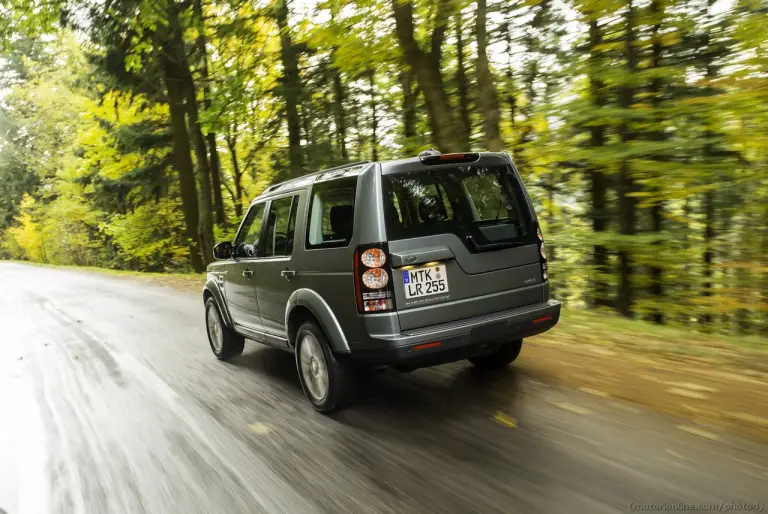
<point x="148" y="238"/>
<point x="88" y="174"/>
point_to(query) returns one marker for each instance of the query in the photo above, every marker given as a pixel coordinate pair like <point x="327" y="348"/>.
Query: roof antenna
<point x="428" y="153"/>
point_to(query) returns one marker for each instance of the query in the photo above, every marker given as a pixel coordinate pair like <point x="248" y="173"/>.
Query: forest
<point x="134" y="133"/>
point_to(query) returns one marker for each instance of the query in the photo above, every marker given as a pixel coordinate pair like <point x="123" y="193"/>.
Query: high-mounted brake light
<point x="373" y="288"/>
<point x="435" y="157"/>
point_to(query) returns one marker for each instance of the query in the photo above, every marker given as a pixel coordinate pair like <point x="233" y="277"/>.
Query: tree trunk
<point x="489" y="103"/>
<point x="597" y="178"/>
<point x="215" y="164"/>
<point x="237" y="175"/>
<point x="182" y="158"/>
<point x="338" y="115"/>
<point x="709" y="252"/>
<point x="291" y="88"/>
<point x="509" y="98"/>
<point x="626" y="184"/>
<point x="462" y="83"/>
<point x="205" y="221"/>
<point x="374" y="119"/>
<point x="446" y="128"/>
<point x="409" y="110"/>
<point x="709" y="196"/>
<point x="657" y="277"/>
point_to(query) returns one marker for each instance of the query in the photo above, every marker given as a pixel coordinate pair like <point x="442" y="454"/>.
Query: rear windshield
<point x="483" y="205"/>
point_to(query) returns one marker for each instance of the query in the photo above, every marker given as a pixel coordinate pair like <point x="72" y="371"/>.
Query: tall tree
<point x="598" y="182"/>
<point x="290" y="87"/>
<point x="626" y="184"/>
<point x="462" y="81"/>
<point x="215" y="164"/>
<point x="488" y="99"/>
<point x="176" y="48"/>
<point x="447" y="132"/>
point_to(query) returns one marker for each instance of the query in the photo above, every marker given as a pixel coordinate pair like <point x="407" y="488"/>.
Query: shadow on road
<point x="448" y="391"/>
<point x="274" y="365"/>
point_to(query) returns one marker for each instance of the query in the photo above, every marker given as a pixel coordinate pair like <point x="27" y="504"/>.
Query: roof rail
<point x="348" y="165"/>
<point x="317" y="173"/>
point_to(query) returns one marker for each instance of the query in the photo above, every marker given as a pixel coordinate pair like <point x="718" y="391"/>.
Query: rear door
<point x="275" y="274"/>
<point x="462" y="241"/>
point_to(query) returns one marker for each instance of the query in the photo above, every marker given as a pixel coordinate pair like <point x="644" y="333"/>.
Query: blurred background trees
<point x="133" y="133"/>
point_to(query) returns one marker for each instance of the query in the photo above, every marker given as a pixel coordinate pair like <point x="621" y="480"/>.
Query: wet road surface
<point x="112" y="402"/>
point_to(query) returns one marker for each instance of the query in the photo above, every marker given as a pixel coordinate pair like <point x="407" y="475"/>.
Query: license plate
<point x="425" y="281"/>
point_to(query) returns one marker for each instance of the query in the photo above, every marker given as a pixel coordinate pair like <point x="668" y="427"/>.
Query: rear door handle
<point x="288" y="274"/>
<point x="248" y="273"/>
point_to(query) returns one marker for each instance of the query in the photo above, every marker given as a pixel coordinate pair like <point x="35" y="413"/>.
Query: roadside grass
<point x="182" y="281"/>
<point x="581" y="328"/>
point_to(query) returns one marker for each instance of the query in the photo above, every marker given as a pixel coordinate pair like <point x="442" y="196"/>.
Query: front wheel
<point x="327" y="379"/>
<point x="504" y="355"/>
<point x="225" y="342"/>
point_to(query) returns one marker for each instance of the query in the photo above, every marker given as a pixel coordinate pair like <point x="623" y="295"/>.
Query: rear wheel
<point x="504" y="355"/>
<point x="327" y="379"/>
<point x="225" y="342"/>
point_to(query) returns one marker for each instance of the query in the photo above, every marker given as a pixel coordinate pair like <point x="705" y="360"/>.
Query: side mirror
<point x="222" y="250"/>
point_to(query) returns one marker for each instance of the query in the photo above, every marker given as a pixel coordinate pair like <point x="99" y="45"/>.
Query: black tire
<point x="340" y="371"/>
<point x="231" y="343"/>
<point x="504" y="355"/>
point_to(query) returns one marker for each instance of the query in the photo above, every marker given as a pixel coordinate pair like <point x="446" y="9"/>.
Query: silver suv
<point x="406" y="263"/>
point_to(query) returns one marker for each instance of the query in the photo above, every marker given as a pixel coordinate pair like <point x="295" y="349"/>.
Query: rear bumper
<point x="458" y="339"/>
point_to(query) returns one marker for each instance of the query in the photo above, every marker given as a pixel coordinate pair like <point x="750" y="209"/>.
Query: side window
<point x="247" y="241"/>
<point x="281" y="225"/>
<point x="332" y="213"/>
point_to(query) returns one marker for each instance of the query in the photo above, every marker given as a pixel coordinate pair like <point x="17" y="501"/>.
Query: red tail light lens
<point x="374" y="258"/>
<point x="373" y="287"/>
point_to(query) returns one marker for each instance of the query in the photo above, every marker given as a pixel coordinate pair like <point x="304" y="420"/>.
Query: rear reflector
<point x="542" y="319"/>
<point x="427" y="345"/>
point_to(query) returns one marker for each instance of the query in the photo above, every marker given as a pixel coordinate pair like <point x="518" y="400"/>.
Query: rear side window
<point x="332" y="213"/>
<point x="483" y="205"/>
<point x="281" y="225"/>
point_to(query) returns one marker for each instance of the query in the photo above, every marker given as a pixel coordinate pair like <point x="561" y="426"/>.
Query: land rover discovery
<point x="406" y="263"/>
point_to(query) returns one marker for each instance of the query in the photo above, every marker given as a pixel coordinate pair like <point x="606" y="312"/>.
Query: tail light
<point x="542" y="253"/>
<point x="373" y="279"/>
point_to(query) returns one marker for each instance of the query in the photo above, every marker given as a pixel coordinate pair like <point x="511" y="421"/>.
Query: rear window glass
<point x="332" y="213"/>
<point x="483" y="205"/>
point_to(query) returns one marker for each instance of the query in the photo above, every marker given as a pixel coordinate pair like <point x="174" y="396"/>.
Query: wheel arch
<point x="307" y="305"/>
<point x="211" y="289"/>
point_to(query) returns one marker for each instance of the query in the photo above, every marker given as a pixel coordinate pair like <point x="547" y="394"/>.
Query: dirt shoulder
<point x="718" y="382"/>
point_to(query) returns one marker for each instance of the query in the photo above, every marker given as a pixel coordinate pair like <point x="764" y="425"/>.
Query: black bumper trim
<point x="460" y="340"/>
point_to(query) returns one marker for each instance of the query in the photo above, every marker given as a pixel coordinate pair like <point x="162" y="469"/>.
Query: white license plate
<point x="425" y="281"/>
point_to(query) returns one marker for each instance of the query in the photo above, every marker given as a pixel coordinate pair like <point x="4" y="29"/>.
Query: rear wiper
<point x="492" y="246"/>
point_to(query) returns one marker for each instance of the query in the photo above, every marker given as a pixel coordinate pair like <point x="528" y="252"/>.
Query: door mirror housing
<point x="222" y="250"/>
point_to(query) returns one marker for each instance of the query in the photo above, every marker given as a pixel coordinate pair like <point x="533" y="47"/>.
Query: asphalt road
<point x="112" y="402"/>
